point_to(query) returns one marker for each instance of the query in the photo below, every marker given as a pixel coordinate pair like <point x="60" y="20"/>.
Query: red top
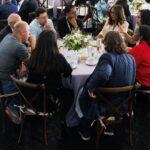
<point x="141" y="53"/>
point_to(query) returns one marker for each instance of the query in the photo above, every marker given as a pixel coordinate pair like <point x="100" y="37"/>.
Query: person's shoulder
<point x="60" y="56"/>
<point x="62" y="19"/>
<point x="125" y="23"/>
<point x="50" y="20"/>
<point x="108" y="56"/>
<point x="34" y="23"/>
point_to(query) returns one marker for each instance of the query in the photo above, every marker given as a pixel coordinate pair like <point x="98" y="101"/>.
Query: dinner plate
<point x="73" y="66"/>
<point x="91" y="62"/>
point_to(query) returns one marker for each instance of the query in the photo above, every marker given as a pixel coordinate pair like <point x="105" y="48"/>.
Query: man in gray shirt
<point x="12" y="53"/>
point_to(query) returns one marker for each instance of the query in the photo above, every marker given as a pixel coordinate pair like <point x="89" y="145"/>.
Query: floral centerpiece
<point x="76" y="41"/>
<point x="137" y="4"/>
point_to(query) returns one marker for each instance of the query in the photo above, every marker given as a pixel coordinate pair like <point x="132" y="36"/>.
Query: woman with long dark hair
<point x="47" y="66"/>
<point x="141" y="53"/>
<point x="116" y="18"/>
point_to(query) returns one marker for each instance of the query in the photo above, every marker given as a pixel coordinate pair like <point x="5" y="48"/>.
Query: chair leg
<point x="98" y="134"/>
<point x="45" y="130"/>
<point x="21" y="128"/>
<point x="3" y="117"/>
<point x="130" y="125"/>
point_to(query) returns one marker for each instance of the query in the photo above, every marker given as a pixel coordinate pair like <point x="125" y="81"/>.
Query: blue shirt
<point x="6" y="9"/>
<point x="36" y="28"/>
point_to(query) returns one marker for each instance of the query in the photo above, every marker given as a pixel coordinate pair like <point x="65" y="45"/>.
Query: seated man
<point x="12" y="19"/>
<point x="41" y="22"/>
<point x="69" y="23"/>
<point x="7" y="8"/>
<point x="12" y="53"/>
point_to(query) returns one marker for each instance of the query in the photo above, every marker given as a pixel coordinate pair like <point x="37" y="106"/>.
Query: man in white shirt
<point x="41" y="22"/>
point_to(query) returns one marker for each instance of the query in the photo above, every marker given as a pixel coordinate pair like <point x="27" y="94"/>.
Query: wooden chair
<point x="3" y="101"/>
<point x="32" y="96"/>
<point x="3" y="23"/>
<point x="116" y="113"/>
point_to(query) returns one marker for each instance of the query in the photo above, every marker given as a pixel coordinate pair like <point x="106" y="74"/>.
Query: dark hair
<point x="144" y="32"/>
<point x="148" y="1"/>
<point x="121" y="2"/>
<point x="114" y="42"/>
<point x="39" y="11"/>
<point x="44" y="56"/>
<point x="119" y="13"/>
<point x="68" y="8"/>
<point x="145" y="19"/>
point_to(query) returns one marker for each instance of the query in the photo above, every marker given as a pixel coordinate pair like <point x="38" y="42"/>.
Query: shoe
<point x="14" y="118"/>
<point x="108" y="133"/>
<point x="84" y="136"/>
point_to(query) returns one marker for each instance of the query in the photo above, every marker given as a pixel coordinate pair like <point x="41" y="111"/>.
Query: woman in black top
<point x="47" y="66"/>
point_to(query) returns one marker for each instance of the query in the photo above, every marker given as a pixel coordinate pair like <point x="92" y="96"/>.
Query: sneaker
<point x="84" y="136"/>
<point x="14" y="118"/>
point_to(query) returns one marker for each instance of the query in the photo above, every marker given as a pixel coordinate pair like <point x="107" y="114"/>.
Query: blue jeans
<point x="9" y="87"/>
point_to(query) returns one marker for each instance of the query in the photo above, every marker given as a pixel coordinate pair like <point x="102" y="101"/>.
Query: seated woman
<point x="116" y="18"/>
<point x="142" y="18"/>
<point x="115" y="68"/>
<point x="47" y="66"/>
<point x="141" y="53"/>
<point x="69" y="23"/>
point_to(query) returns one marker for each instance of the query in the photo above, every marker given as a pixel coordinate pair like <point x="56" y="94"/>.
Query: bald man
<point x="12" y="19"/>
<point x="12" y="53"/>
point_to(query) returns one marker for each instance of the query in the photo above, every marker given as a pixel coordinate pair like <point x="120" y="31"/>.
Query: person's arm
<point x="49" y="25"/>
<point x="131" y="39"/>
<point x="32" y="41"/>
<point x="101" y="34"/>
<point x="23" y="56"/>
<point x="137" y="54"/>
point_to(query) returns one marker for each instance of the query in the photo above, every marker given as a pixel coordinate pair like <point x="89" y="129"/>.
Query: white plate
<point x="91" y="63"/>
<point x="73" y="66"/>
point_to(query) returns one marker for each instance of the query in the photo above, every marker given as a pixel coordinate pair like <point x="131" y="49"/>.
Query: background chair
<point x="3" y="23"/>
<point x="116" y="111"/>
<point x="34" y="102"/>
<point x="3" y="102"/>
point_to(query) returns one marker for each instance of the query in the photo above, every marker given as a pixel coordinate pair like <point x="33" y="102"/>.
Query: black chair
<point x="117" y="113"/>
<point x="34" y="102"/>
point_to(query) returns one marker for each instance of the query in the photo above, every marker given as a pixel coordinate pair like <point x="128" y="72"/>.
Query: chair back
<point x="116" y="110"/>
<point x="3" y="23"/>
<point x="33" y="96"/>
